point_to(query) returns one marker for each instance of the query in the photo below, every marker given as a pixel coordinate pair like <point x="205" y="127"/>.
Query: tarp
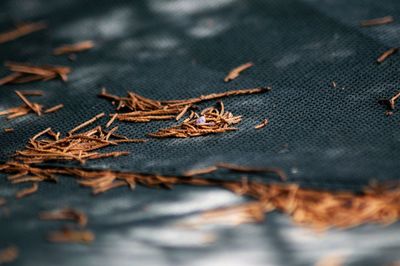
<point x="322" y="136"/>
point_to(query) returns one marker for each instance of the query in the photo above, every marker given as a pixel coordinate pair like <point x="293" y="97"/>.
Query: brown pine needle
<point x="8" y="130"/>
<point x="214" y="96"/>
<point x="262" y="124"/>
<point x="32" y="93"/>
<point x="386" y="54"/>
<point x="29" y="69"/>
<point x="21" y="30"/>
<point x="8" y="254"/>
<point x="110" y="154"/>
<point x="201" y="171"/>
<point x="27" y="191"/>
<point x="376" y="21"/>
<point x="234" y="73"/>
<point x="16" y="112"/>
<point x="183" y="112"/>
<point x="65" y="214"/>
<point x="109" y="123"/>
<point x="390" y="104"/>
<point x="74" y="48"/>
<point x="10" y="78"/>
<point x="41" y="133"/>
<point x="54" y="108"/>
<point x="71" y="236"/>
<point x="84" y="124"/>
<point x="32" y="106"/>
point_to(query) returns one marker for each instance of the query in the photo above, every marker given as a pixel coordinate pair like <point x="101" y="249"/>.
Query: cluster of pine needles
<point x="28" y="106"/>
<point x="24" y="73"/>
<point x="76" y="147"/>
<point x="136" y="108"/>
<point x="210" y="120"/>
<point x="314" y="208"/>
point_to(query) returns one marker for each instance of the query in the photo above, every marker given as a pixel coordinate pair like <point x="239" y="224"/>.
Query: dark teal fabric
<point x="318" y="134"/>
<point x="323" y="137"/>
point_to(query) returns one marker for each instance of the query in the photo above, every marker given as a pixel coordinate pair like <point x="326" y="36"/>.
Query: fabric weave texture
<point x="323" y="137"/>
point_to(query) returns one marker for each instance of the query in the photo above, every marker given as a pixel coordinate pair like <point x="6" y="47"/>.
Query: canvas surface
<point x="323" y="137"/>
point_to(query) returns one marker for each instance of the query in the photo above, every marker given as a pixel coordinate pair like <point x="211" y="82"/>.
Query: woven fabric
<point x="321" y="136"/>
<point x="173" y="50"/>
